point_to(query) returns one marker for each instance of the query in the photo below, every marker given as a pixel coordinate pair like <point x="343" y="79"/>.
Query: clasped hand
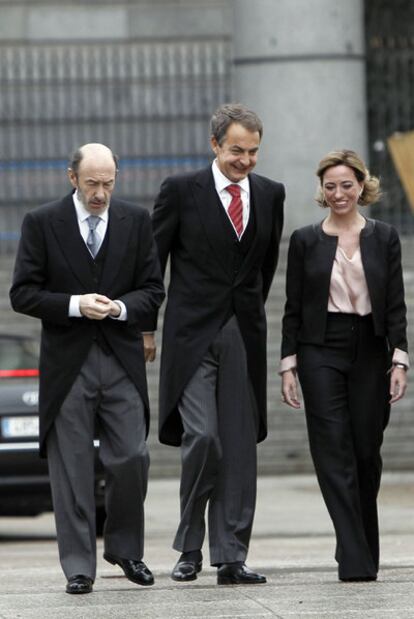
<point x="97" y="306"/>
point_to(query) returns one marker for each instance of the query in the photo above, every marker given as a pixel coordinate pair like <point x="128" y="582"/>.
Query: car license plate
<point x="20" y="427"/>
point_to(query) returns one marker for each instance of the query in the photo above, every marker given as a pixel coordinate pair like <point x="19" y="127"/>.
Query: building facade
<point x="144" y="78"/>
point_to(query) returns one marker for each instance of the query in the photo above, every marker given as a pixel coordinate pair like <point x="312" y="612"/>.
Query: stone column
<point x="300" y="65"/>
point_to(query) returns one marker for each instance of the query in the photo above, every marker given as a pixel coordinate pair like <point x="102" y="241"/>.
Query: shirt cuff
<point x="288" y="363"/>
<point x="400" y="356"/>
<point x="74" y="311"/>
<point x="123" y="315"/>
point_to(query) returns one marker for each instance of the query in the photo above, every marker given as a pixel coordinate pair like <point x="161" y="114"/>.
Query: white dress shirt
<point x="82" y="215"/>
<point x="221" y="182"/>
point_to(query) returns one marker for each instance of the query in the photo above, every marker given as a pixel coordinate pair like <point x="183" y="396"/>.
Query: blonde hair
<point x="371" y="191"/>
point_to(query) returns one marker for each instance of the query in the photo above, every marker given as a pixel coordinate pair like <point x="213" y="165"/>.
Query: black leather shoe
<point x="135" y="571"/>
<point x="188" y="566"/>
<point x="238" y="574"/>
<point x="79" y="584"/>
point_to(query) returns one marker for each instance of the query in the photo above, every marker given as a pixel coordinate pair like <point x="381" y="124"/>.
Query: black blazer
<point x="204" y="290"/>
<point x="53" y="263"/>
<point x="310" y="260"/>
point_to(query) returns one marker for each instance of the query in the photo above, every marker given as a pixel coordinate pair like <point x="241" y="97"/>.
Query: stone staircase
<point x="286" y="448"/>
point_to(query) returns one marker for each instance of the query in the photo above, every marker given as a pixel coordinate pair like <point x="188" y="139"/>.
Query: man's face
<point x="95" y="183"/>
<point x="237" y="154"/>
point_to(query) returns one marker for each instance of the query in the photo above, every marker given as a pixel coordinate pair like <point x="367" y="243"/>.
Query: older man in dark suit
<point x="221" y="228"/>
<point x="87" y="267"/>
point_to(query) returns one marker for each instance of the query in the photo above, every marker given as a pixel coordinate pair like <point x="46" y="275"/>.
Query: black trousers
<point x="345" y="387"/>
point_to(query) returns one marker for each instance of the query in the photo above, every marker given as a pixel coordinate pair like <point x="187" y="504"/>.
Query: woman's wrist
<point x="401" y="366"/>
<point x="288" y="370"/>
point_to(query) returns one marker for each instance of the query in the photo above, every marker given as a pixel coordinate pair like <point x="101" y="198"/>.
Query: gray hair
<point x="77" y="156"/>
<point x="229" y="113"/>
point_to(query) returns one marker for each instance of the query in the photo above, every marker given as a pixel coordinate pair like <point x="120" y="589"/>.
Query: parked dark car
<point x="24" y="480"/>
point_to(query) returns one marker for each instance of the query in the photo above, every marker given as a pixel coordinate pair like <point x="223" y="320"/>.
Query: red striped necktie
<point x="235" y="209"/>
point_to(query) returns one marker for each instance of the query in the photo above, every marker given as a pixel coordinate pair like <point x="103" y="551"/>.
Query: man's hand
<point x="149" y="347"/>
<point x="115" y="309"/>
<point x="95" y="306"/>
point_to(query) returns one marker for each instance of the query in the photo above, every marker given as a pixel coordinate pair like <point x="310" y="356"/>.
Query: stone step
<point x="286" y="448"/>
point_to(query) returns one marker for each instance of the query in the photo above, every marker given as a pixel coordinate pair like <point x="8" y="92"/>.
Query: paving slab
<point x="293" y="545"/>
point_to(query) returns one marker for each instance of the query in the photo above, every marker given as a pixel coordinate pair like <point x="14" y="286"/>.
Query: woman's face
<point x="341" y="189"/>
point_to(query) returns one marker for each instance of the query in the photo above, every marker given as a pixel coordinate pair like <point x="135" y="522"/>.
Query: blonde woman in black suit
<point x="344" y="335"/>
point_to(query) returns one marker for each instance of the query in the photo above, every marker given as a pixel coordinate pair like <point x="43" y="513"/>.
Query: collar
<point x="367" y="230"/>
<point x="81" y="212"/>
<point x="221" y="181"/>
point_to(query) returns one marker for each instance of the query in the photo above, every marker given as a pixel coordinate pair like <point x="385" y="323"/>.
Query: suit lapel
<point x="206" y="200"/>
<point x="118" y="231"/>
<point x="66" y="228"/>
<point x="67" y="232"/>
<point x="371" y="257"/>
<point x="258" y="202"/>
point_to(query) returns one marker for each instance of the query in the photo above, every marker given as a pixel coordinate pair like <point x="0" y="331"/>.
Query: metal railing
<point x="149" y="101"/>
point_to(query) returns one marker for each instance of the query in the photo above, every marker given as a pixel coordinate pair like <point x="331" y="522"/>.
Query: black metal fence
<point x="149" y="101"/>
<point x="390" y="91"/>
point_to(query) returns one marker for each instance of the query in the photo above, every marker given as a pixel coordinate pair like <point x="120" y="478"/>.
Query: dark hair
<point x="371" y="186"/>
<point x="229" y="113"/>
<point x="77" y="156"/>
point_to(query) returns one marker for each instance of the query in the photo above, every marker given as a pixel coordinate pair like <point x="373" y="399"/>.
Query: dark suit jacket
<point x="204" y="291"/>
<point x="310" y="260"/>
<point x="53" y="263"/>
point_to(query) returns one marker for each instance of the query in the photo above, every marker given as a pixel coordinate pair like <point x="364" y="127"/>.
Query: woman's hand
<point x="290" y="389"/>
<point x="398" y="384"/>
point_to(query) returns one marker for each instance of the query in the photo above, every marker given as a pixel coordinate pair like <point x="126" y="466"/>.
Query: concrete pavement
<point x="292" y="544"/>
